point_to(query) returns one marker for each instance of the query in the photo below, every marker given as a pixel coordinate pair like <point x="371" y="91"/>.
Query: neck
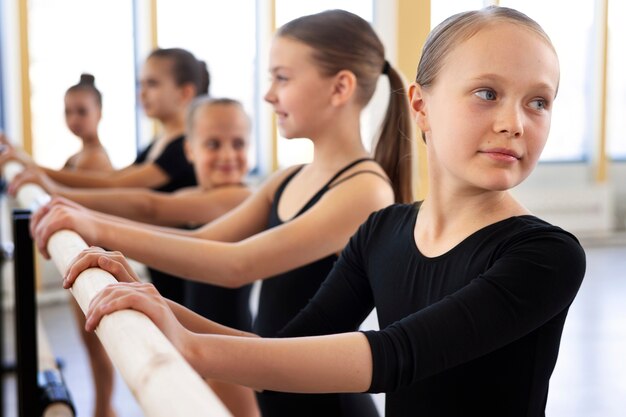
<point x="173" y="125"/>
<point x="336" y="146"/>
<point x="91" y="141"/>
<point x="449" y="210"/>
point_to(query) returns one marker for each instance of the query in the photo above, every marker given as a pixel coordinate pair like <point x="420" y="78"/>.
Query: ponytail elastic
<point x="386" y="67"/>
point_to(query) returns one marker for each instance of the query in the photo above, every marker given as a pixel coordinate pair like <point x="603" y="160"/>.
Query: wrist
<point x="191" y="351"/>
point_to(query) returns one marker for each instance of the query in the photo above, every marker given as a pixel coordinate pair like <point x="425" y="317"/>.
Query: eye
<point x="279" y="78"/>
<point x="212" y="144"/>
<point x="238" y="144"/>
<point x="486" y="94"/>
<point x="539" y="104"/>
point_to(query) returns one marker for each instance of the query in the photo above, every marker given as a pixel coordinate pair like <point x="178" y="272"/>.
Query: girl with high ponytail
<point x="324" y="69"/>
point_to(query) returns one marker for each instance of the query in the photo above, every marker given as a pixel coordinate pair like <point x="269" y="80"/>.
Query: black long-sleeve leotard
<point x="473" y="332"/>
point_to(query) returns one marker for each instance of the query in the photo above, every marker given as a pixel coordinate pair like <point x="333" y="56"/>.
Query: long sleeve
<point x="531" y="280"/>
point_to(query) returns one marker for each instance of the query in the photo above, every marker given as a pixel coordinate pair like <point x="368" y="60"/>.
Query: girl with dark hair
<point x="83" y="111"/>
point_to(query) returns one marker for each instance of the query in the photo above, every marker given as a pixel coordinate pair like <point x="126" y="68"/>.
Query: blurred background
<point x="580" y="183"/>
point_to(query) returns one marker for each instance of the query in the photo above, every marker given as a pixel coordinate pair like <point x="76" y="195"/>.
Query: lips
<point x="502" y="154"/>
<point x="227" y="168"/>
<point x="281" y="115"/>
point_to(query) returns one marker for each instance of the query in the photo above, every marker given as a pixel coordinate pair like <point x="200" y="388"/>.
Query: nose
<point x="510" y="120"/>
<point x="270" y="95"/>
<point x="226" y="153"/>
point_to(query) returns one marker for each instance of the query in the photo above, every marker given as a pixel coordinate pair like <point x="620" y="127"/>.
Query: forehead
<point x="289" y="52"/>
<point x="506" y="49"/>
<point x="219" y="118"/>
<point x="156" y="67"/>
<point x="81" y="96"/>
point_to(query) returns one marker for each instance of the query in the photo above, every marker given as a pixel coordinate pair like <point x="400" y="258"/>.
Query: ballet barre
<point x="163" y="383"/>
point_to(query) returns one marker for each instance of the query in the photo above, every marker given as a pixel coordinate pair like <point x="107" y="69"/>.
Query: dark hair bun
<point x="87" y="79"/>
<point x="205" y="78"/>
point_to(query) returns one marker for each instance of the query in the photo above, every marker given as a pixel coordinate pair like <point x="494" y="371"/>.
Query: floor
<point x="589" y="379"/>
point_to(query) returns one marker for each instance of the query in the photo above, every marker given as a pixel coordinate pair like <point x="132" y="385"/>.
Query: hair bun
<point x="87" y="79"/>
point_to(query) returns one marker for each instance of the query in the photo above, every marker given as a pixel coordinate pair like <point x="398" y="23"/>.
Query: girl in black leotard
<point x="324" y="70"/>
<point x="471" y="290"/>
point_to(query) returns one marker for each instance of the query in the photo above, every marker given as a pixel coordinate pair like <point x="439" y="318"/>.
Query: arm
<point x="192" y="206"/>
<point x="319" y="232"/>
<point x="147" y="175"/>
<point x="117" y="265"/>
<point x="338" y="363"/>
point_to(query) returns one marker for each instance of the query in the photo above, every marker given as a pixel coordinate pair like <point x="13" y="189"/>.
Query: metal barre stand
<point x="47" y="386"/>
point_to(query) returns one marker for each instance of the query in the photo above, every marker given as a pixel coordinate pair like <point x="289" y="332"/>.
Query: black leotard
<point x="472" y="332"/>
<point x="281" y="298"/>
<point x="181" y="175"/>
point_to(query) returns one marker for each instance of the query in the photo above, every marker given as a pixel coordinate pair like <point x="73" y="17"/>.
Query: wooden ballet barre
<point x="163" y="383"/>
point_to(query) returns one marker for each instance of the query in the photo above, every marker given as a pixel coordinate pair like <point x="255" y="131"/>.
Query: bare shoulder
<point x="92" y="159"/>
<point x="269" y="187"/>
<point x="364" y="180"/>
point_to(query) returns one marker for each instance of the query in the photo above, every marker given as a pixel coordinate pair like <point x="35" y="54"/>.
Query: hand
<point x="36" y="176"/>
<point x="11" y="154"/>
<point x="145" y="299"/>
<point x="4" y="141"/>
<point x="59" y="215"/>
<point x="43" y="210"/>
<point x="113" y="262"/>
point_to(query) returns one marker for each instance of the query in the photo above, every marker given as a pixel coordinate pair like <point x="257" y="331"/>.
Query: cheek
<point x="243" y="160"/>
<point x="208" y="159"/>
<point x="538" y="139"/>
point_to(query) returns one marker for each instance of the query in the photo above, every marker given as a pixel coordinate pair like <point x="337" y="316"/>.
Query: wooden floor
<point x="589" y="379"/>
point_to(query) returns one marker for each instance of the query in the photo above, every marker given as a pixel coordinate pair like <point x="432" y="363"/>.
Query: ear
<point x="188" y="91"/>
<point x="344" y="86"/>
<point x="188" y="149"/>
<point x="418" y="107"/>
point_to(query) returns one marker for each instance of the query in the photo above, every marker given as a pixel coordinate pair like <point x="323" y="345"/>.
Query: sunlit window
<point x="573" y="115"/>
<point x="441" y="10"/>
<point x="616" y="114"/>
<point x="297" y="151"/>
<point x="224" y="37"/>
<point x="68" y="37"/>
<point x="1" y="87"/>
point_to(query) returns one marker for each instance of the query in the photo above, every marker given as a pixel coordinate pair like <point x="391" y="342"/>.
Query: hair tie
<point x="386" y="67"/>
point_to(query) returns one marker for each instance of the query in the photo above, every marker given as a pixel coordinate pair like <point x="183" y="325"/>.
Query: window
<point x="441" y="10"/>
<point x="616" y="94"/>
<point x="67" y="38"/>
<point x="574" y="111"/>
<point x="225" y="38"/>
<point x="2" y="90"/>
<point x="298" y="151"/>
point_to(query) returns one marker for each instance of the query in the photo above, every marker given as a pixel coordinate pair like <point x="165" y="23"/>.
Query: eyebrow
<point x="277" y="68"/>
<point x="496" y="77"/>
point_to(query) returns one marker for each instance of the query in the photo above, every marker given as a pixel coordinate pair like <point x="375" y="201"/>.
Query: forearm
<point x="201" y="325"/>
<point x="81" y="178"/>
<point x="337" y="363"/>
<point x="196" y="259"/>
<point x="130" y="204"/>
<point x="133" y="223"/>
